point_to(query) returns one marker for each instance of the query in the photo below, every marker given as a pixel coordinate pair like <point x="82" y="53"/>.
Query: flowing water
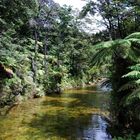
<point x="74" y="115"/>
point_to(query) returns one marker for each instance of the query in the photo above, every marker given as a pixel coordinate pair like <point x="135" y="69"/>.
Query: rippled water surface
<point x="73" y="115"/>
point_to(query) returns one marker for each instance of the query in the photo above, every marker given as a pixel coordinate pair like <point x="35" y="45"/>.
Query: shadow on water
<point x="74" y="115"/>
<point x="62" y="126"/>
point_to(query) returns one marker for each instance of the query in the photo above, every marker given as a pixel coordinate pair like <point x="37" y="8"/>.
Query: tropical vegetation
<point x="45" y="49"/>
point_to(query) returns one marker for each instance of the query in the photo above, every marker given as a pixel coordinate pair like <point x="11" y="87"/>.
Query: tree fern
<point x="122" y="54"/>
<point x="122" y="48"/>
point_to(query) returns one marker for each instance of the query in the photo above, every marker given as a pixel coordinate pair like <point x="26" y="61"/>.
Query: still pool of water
<point x="74" y="115"/>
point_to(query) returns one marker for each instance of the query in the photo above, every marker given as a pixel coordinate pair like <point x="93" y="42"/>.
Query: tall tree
<point x="120" y="17"/>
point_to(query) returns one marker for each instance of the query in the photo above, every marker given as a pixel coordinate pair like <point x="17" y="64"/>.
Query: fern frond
<point x="101" y="56"/>
<point x="133" y="55"/>
<point x="122" y="43"/>
<point x="134" y="35"/>
<point x="135" y="67"/>
<point x="102" y="45"/>
<point x="138" y="81"/>
<point x="133" y="96"/>
<point x="132" y="74"/>
<point x="123" y="48"/>
<point x="106" y="49"/>
<point x="129" y="85"/>
<point x="134" y="40"/>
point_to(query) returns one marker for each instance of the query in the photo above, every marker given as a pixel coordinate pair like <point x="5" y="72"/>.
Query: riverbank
<point x="7" y="104"/>
<point x="71" y="85"/>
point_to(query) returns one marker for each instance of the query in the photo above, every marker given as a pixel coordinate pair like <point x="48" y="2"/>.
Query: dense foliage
<point x="43" y="49"/>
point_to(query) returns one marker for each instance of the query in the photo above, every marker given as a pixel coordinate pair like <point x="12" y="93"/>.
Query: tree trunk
<point x="45" y="57"/>
<point x="35" y="56"/>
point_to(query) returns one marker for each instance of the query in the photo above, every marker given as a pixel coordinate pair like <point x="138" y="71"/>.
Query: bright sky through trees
<point x="75" y="3"/>
<point x="91" y="28"/>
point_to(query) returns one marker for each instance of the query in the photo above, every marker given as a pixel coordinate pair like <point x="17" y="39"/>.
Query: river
<point x="74" y="115"/>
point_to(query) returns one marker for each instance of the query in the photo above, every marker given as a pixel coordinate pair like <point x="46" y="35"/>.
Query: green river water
<point x="73" y="115"/>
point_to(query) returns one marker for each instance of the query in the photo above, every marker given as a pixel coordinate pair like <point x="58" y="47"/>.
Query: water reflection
<point x="97" y="129"/>
<point x="74" y="115"/>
